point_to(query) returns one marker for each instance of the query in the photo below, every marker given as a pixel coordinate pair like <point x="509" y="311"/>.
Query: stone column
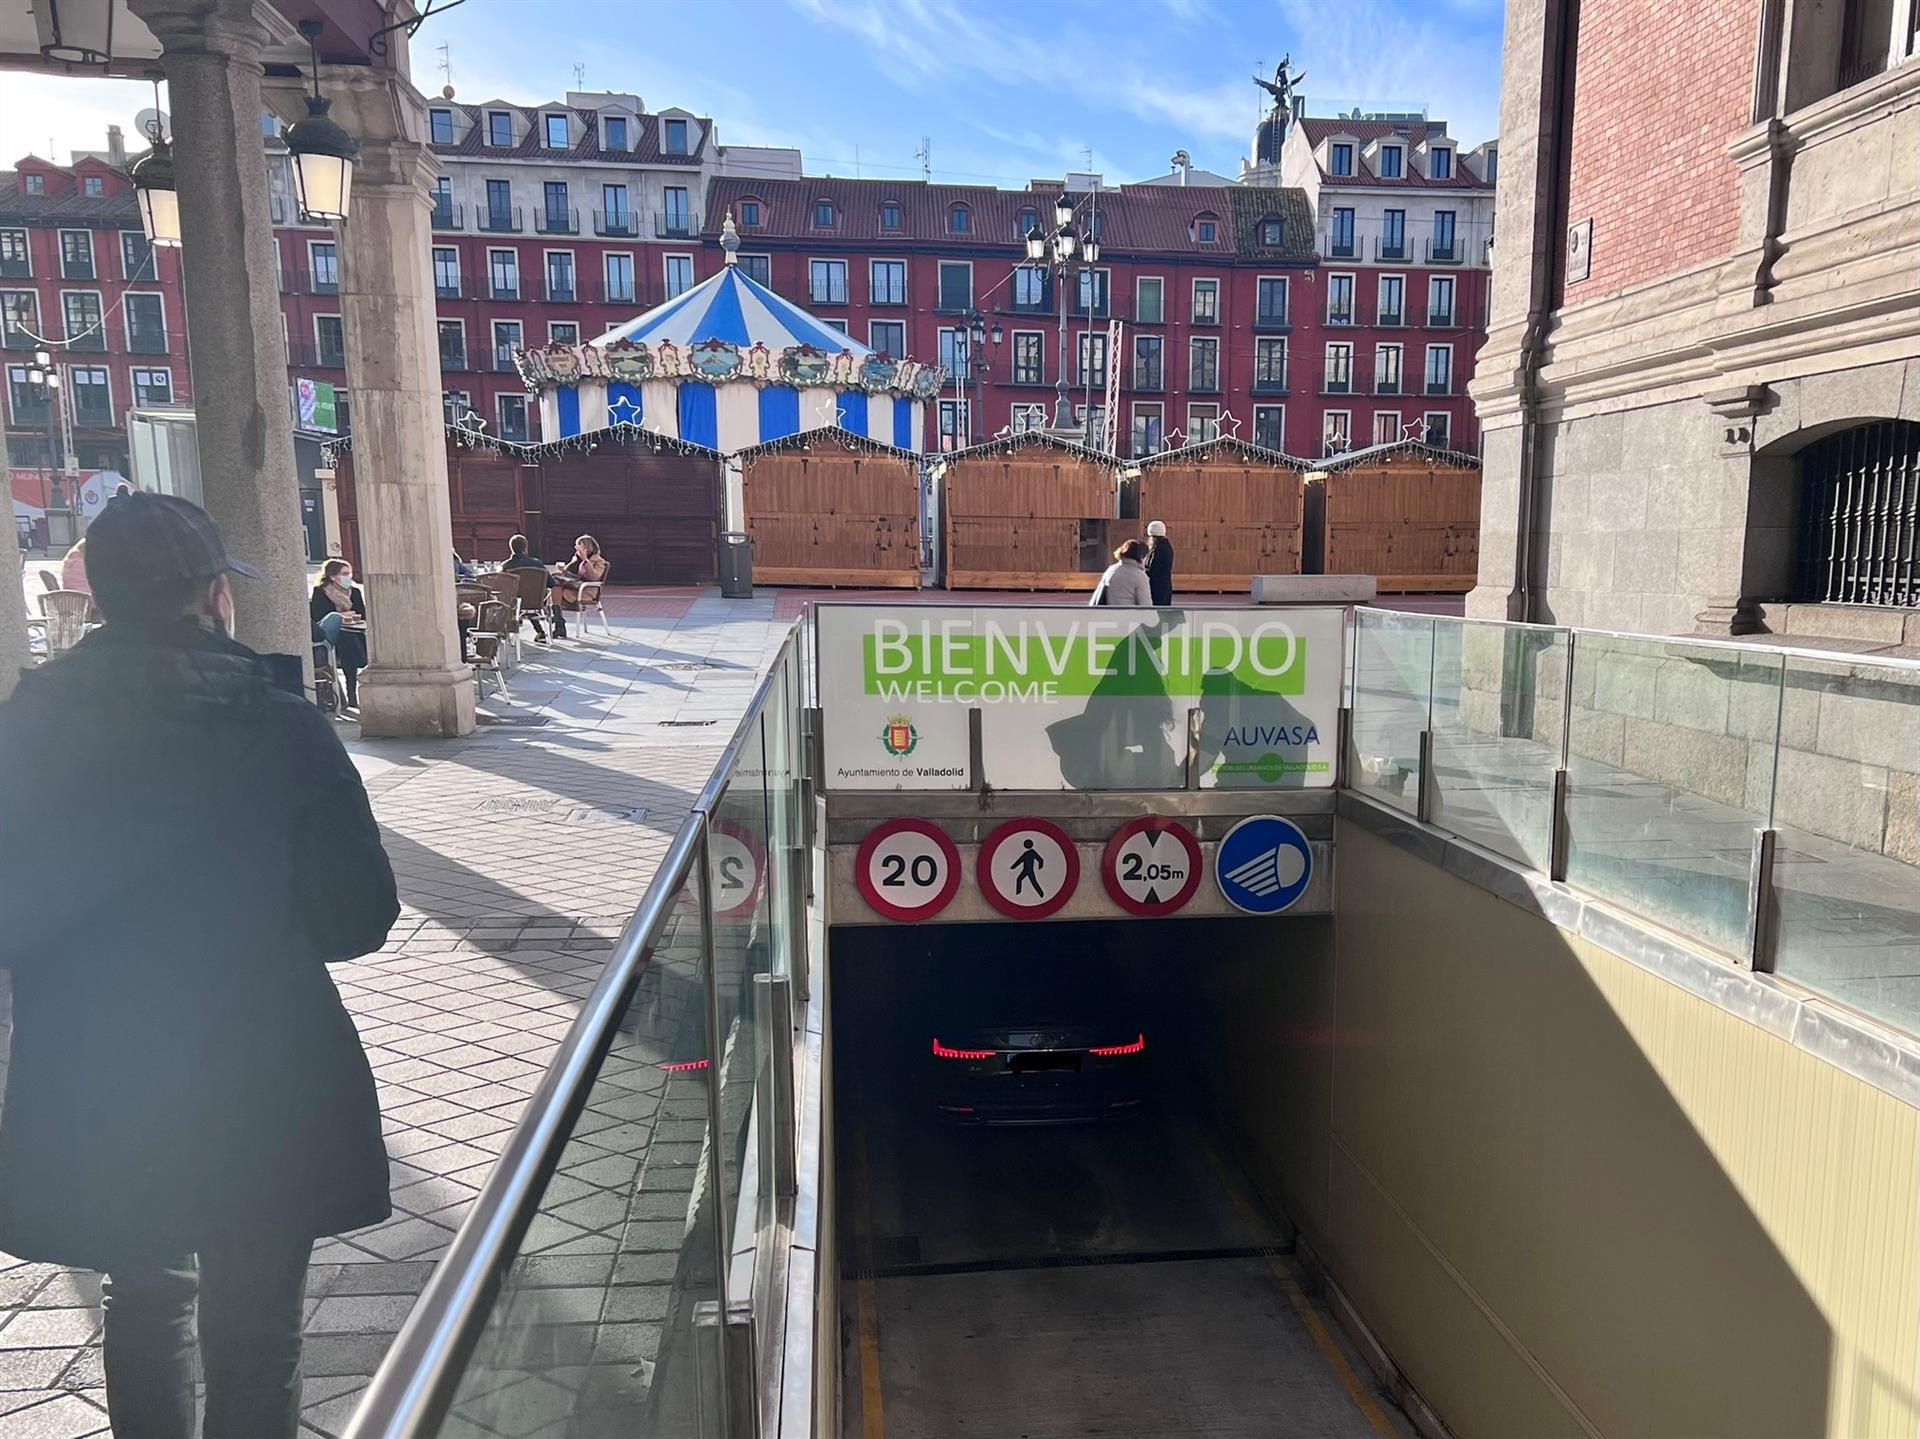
<point x="415" y="684"/>
<point x="211" y="52"/>
<point x="1527" y="242"/>
<point x="14" y="655"/>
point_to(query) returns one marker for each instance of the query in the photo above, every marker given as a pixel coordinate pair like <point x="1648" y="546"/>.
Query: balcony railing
<point x="618" y="224"/>
<point x="323" y="284"/>
<point x="1340" y="317"/>
<point x="77" y="270"/>
<point x="1271" y="320"/>
<point x="605" y="294"/>
<point x="672" y="225"/>
<point x="453" y="359"/>
<point x="1443" y="253"/>
<point x="305" y="355"/>
<point x="561" y="294"/>
<point x="1341" y="249"/>
<point x="1440" y="319"/>
<point x="1387" y="385"/>
<point x="1149" y="378"/>
<point x="503" y="359"/>
<point x="1270" y="385"/>
<point x="1392" y="319"/>
<point x="449" y="216"/>
<point x="1201" y="383"/>
<point x="147" y="342"/>
<point x="1439" y="384"/>
<point x="92" y="339"/>
<point x="503" y="292"/>
<point x="93" y="417"/>
<point x="1391" y="250"/>
<point x="500" y="222"/>
<point x="19" y="339"/>
<point x="1336" y="385"/>
<point x="556" y="222"/>
<point x="446" y="289"/>
<point x="21" y="269"/>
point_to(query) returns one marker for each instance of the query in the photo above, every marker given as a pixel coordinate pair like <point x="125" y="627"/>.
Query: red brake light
<point x="1110" y="1050"/>
<point x="684" y="1066"/>
<point x="941" y="1051"/>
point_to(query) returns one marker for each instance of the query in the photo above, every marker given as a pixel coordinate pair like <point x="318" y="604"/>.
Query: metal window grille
<point x="1860" y="516"/>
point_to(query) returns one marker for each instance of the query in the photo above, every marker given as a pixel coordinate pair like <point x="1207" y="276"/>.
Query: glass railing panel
<point x="783" y="810"/>
<point x="1499" y="705"/>
<point x="1392" y="699"/>
<point x="1669" y="773"/>
<point x="745" y="921"/>
<point x="592" y="1331"/>
<point x="1847" y="812"/>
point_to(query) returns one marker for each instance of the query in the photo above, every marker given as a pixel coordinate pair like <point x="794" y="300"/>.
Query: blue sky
<point x="1002" y="91"/>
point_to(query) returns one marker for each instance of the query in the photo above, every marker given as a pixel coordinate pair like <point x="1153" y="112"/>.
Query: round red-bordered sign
<point x="1151" y="866"/>
<point x="907" y="870"/>
<point x="732" y="850"/>
<point x="1028" y="868"/>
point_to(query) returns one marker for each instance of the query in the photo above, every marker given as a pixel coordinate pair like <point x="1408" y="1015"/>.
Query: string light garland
<point x="1347" y="459"/>
<point x="1246" y="449"/>
<point x="1004" y="443"/>
<point x="806" y="440"/>
<point x="473" y="438"/>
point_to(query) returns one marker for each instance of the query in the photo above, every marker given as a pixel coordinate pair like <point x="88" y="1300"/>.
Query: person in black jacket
<point x="518" y="558"/>
<point x="188" y="1106"/>
<point x="1159" y="564"/>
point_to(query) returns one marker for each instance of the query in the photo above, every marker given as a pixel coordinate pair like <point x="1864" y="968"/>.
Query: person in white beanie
<point x="1159" y="563"/>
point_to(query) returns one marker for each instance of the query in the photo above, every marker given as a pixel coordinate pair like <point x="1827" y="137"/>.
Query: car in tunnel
<point x="1046" y="1043"/>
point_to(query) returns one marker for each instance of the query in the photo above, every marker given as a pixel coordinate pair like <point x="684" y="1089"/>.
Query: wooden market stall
<point x="1028" y="512"/>
<point x="1407" y="513"/>
<point x="832" y="508"/>
<point x="652" y="502"/>
<point x="1232" y="510"/>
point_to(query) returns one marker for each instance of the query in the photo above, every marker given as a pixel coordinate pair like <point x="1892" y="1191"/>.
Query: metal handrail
<point x="416" y="1381"/>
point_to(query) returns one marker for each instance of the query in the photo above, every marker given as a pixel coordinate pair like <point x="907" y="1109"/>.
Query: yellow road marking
<point x="1303" y="1306"/>
<point x="873" y="1416"/>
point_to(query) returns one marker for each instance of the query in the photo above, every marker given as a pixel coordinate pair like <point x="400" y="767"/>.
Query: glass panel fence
<point x="1392" y="699"/>
<point x="1499" y="703"/>
<point x="1669" y="773"/>
<point x="1847" y="811"/>
<point x="593" y="1327"/>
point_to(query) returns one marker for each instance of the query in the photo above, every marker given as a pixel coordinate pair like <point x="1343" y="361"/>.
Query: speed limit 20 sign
<point x="1151" y="866"/>
<point x="907" y="870"/>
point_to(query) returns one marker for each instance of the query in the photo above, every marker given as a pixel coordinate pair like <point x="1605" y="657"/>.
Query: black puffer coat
<point x="183" y="849"/>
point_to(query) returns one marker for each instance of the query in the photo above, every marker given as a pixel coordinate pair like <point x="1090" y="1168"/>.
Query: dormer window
<point x="1206" y="228"/>
<point x="92" y="185"/>
<point x="1273" y="233"/>
<point x="1493" y="166"/>
<point x="959" y="220"/>
<point x="499" y="129"/>
<point x="675" y="142"/>
<point x="890" y="215"/>
<point x="1440" y="164"/>
<point x="556" y="132"/>
<point x="749" y="214"/>
<point x="613" y="132"/>
<point x="440" y="127"/>
<point x="33" y="184"/>
<point x="824" y="215"/>
<point x="1392" y="162"/>
<point x="1340" y="158"/>
<point x="1029" y="221"/>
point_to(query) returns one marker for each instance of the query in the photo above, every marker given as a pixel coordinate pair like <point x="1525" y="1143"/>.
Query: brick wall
<point x="1660" y="87"/>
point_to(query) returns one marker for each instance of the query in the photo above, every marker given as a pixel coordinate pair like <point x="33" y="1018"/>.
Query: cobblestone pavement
<point x="520" y="853"/>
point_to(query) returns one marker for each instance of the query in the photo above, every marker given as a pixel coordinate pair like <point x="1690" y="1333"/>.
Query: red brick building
<point x="78" y="278"/>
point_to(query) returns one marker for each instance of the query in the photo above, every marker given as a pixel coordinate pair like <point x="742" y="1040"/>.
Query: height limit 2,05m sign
<point x="1076" y="698"/>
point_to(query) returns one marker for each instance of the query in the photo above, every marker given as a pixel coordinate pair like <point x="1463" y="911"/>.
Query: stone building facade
<point x="1700" y="393"/>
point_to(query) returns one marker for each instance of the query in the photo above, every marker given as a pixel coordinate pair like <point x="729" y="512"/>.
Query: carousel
<point x="728" y="365"/>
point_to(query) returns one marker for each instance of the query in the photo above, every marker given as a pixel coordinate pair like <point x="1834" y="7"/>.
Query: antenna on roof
<point x="579" y="75"/>
<point x="446" y="71"/>
<point x="925" y="156"/>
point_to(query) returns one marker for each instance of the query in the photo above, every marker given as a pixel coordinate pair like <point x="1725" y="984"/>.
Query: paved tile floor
<point x="520" y="853"/>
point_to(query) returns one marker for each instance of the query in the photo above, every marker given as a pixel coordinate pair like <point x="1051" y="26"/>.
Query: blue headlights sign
<point x="1264" y="864"/>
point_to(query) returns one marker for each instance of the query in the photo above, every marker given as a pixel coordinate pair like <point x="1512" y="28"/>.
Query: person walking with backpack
<point x="188" y="1106"/>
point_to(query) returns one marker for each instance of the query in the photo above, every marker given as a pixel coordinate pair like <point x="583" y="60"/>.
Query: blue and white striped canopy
<point x="735" y="309"/>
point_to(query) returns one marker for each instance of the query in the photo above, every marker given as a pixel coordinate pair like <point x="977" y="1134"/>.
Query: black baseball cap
<point x="145" y="541"/>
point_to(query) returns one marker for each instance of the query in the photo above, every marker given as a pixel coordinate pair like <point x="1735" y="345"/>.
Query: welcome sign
<point x="1079" y="698"/>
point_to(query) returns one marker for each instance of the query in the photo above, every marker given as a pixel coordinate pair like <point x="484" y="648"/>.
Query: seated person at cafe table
<point x="587" y="566"/>
<point x="339" y="611"/>
<point x="518" y="558"/>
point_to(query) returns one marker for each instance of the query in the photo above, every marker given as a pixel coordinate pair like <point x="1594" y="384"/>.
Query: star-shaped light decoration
<point x="470" y="427"/>
<point x="1229" y="418"/>
<point x="1414" y="430"/>
<point x="821" y="411"/>
<point x="1174" y="439"/>
<point x="623" y="411"/>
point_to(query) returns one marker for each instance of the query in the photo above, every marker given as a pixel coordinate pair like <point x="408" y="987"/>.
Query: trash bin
<point x="736" y="566"/>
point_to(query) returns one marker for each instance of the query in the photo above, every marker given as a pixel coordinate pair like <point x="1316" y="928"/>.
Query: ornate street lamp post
<point x="1069" y="258"/>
